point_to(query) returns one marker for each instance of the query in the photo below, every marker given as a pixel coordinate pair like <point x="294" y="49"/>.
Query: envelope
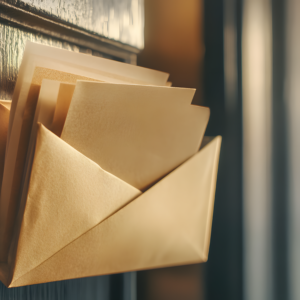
<point x="43" y="62"/>
<point x="82" y="197"/>
<point x="71" y="226"/>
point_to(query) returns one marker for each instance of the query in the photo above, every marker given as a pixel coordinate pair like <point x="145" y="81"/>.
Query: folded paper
<point x="102" y="171"/>
<point x="71" y="204"/>
<point x="69" y="229"/>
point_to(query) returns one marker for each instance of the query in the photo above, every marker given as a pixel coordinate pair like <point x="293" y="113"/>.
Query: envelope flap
<point x="167" y="225"/>
<point x="68" y="195"/>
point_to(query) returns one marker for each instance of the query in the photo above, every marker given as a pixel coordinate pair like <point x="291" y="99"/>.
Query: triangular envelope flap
<point x="68" y="195"/>
<point x="17" y="142"/>
<point x="167" y="225"/>
<point x="137" y="133"/>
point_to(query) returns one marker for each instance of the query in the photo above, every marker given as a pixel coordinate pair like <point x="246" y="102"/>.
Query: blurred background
<point x="243" y="59"/>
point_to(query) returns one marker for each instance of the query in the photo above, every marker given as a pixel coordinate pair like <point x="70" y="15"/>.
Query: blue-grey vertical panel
<point x="130" y="287"/>
<point x="222" y="93"/>
<point x="293" y="120"/>
<point x="279" y="154"/>
<point x="93" y="288"/>
<point x="88" y="288"/>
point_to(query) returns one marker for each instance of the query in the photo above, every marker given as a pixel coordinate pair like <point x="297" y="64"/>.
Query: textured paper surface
<point x="167" y="225"/>
<point x="44" y="114"/>
<point x="68" y="191"/>
<point x="40" y="62"/>
<point x="137" y="133"/>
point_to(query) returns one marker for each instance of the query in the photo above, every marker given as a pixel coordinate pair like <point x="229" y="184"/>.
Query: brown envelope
<point x="79" y="220"/>
<point x="41" y="62"/>
<point x="73" y="225"/>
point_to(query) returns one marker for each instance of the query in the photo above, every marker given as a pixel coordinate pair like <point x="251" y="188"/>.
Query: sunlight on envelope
<point x="102" y="171"/>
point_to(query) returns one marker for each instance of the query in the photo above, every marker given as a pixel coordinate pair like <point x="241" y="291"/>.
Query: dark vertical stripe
<point x="116" y="287"/>
<point x="279" y="154"/>
<point x="224" y="270"/>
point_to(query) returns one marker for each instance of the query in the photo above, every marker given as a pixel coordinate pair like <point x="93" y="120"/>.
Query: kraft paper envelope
<point x="138" y="133"/>
<point x="81" y="221"/>
<point x="41" y="62"/>
<point x="76" y="219"/>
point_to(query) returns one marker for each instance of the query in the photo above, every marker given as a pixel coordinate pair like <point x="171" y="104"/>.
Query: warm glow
<point x="257" y="143"/>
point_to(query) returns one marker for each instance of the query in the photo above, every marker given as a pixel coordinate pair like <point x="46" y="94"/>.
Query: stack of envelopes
<point x="100" y="170"/>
